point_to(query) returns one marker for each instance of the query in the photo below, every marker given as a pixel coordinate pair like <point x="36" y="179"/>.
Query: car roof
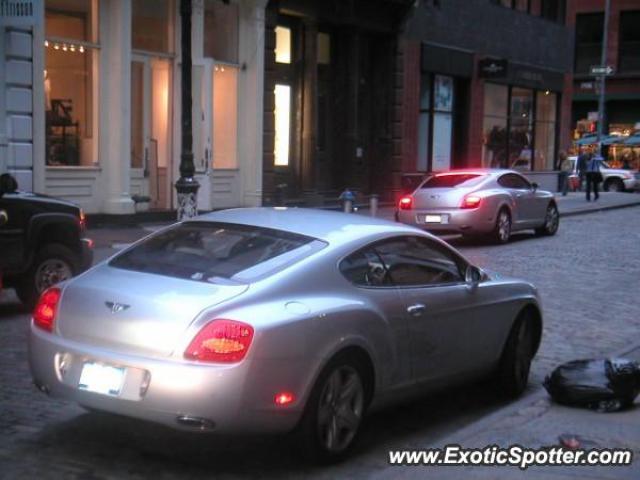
<point x="330" y="226"/>
<point x="479" y="171"/>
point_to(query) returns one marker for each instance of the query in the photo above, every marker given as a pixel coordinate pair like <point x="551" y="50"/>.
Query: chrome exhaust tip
<point x="197" y="423"/>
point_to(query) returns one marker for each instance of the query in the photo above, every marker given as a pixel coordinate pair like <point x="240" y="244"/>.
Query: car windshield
<point x="207" y="252"/>
<point x="454" y="180"/>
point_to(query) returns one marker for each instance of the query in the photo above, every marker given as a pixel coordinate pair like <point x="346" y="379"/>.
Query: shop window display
<point x="70" y="83"/>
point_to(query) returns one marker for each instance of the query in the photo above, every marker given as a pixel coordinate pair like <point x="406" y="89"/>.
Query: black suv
<point x="41" y="241"/>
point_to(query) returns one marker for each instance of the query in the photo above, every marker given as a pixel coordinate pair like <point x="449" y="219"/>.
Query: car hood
<point x="42" y="202"/>
<point x="134" y="312"/>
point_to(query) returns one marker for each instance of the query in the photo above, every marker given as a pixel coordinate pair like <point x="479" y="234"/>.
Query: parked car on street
<point x="490" y="202"/>
<point x="41" y="241"/>
<point x="613" y="179"/>
<point x="274" y="320"/>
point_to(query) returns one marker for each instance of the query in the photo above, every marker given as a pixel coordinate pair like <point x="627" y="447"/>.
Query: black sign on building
<point x="492" y="68"/>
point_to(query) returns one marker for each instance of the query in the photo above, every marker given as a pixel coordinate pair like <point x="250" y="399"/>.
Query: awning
<point x="633" y="141"/>
<point x="606" y="140"/>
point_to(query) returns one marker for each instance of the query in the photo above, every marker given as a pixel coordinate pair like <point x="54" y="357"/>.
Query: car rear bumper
<point x="462" y="221"/>
<point x="218" y="398"/>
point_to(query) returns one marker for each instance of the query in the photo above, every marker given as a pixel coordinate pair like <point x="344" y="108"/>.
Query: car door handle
<point x="416" y="310"/>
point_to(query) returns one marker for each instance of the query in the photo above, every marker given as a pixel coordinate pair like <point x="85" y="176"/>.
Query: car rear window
<point x="453" y="180"/>
<point x="208" y="251"/>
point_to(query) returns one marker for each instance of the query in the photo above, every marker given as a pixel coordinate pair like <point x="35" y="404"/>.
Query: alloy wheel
<point x="340" y="409"/>
<point x="504" y="226"/>
<point x="523" y="353"/>
<point x="552" y="219"/>
<point x="50" y="272"/>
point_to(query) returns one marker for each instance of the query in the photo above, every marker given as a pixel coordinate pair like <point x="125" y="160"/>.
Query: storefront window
<point x="494" y="154"/>
<point x="70" y="83"/>
<point x="283" y="44"/>
<point x="282" y="123"/>
<point x="152" y="25"/>
<point x="435" y="123"/>
<point x="521" y="131"/>
<point x="525" y="138"/>
<point x="221" y="31"/>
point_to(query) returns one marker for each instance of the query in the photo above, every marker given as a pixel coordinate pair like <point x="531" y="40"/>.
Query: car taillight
<point x="225" y="341"/>
<point x="44" y="314"/>
<point x="471" y="201"/>
<point x="83" y="220"/>
<point x="406" y="202"/>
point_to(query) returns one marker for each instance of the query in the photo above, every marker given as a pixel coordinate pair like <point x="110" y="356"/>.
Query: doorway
<point x="150" y="127"/>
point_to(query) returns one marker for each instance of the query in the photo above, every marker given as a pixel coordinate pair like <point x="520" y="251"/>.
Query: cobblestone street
<point x="588" y="276"/>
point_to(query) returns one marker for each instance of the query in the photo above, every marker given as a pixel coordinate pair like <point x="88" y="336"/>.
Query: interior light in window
<point x="283" y="45"/>
<point x="282" y="121"/>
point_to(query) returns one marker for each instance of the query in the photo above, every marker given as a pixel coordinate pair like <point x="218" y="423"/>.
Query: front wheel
<point x="513" y="372"/>
<point x="614" y="185"/>
<point x="551" y="221"/>
<point x="52" y="264"/>
<point x="334" y="411"/>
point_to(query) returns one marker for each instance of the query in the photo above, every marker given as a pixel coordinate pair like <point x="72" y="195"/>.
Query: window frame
<point x="515" y="175"/>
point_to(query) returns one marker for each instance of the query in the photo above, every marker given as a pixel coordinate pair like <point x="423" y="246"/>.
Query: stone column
<point x="250" y="100"/>
<point x="115" y="107"/>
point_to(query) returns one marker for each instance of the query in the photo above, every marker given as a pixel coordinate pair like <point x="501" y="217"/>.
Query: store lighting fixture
<point x="66" y="47"/>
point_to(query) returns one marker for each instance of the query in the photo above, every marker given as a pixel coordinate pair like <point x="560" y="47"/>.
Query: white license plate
<point x="103" y="379"/>
<point x="433" y="219"/>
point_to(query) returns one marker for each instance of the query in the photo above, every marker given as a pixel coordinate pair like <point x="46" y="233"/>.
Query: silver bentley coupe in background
<point x="275" y="320"/>
<point x="483" y="202"/>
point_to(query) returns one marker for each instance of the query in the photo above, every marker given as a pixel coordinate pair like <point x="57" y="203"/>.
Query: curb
<point x="599" y="209"/>
<point x="485" y="423"/>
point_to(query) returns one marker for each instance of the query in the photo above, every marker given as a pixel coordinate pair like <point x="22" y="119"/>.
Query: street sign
<point x="601" y="70"/>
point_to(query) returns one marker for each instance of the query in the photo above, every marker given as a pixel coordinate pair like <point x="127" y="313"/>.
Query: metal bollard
<point x="374" y="200"/>
<point x="347" y="205"/>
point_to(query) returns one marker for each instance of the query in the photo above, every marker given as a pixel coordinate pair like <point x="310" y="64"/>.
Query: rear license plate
<point x="433" y="219"/>
<point x="103" y="379"/>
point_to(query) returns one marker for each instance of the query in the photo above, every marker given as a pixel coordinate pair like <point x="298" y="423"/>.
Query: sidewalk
<point x="537" y="422"/>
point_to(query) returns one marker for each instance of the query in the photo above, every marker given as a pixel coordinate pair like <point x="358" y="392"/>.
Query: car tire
<point x="551" y="221"/>
<point x="330" y="423"/>
<point x="613" y="185"/>
<point x="515" y="363"/>
<point x="502" y="229"/>
<point x="53" y="263"/>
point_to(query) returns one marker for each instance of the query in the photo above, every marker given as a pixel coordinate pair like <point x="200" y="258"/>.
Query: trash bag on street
<point x="603" y="385"/>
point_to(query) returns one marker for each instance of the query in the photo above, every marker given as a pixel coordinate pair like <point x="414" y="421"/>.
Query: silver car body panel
<point x="527" y="207"/>
<point x="302" y="316"/>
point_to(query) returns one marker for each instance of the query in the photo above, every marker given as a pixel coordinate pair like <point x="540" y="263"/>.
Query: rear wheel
<point x="52" y="264"/>
<point x="334" y="411"/>
<point x="551" y="221"/>
<point x="502" y="229"/>
<point x="613" y="185"/>
<point x="513" y="372"/>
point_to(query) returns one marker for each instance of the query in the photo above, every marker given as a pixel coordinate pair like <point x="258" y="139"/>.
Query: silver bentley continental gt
<point x="276" y="320"/>
<point x="482" y="202"/>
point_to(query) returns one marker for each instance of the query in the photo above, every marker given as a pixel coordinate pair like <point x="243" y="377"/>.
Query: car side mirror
<point x="473" y="275"/>
<point x="534" y="185"/>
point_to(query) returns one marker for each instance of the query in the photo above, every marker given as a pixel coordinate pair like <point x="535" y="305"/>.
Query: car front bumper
<point x="453" y="220"/>
<point x="220" y="398"/>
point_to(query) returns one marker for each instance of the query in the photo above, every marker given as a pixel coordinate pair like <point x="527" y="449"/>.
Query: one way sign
<point x="601" y="70"/>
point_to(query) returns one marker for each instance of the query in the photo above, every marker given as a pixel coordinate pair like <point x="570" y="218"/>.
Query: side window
<point x="415" y="261"/>
<point x="365" y="268"/>
<point x="511" y="180"/>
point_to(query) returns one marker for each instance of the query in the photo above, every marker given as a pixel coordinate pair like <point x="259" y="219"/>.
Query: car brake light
<point x="406" y="203"/>
<point x="284" y="398"/>
<point x="83" y="220"/>
<point x="471" y="201"/>
<point x="44" y="314"/>
<point x="225" y="341"/>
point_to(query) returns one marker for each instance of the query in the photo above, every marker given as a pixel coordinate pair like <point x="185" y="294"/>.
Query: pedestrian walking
<point x="581" y="167"/>
<point x="566" y="168"/>
<point x="594" y="177"/>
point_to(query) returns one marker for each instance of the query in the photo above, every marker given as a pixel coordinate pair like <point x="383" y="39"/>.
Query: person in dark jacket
<point x="581" y="166"/>
<point x="593" y="176"/>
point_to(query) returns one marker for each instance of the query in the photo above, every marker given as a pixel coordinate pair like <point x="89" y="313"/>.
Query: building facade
<point x="92" y="99"/>
<point x="622" y="99"/>
<point x="487" y="84"/>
